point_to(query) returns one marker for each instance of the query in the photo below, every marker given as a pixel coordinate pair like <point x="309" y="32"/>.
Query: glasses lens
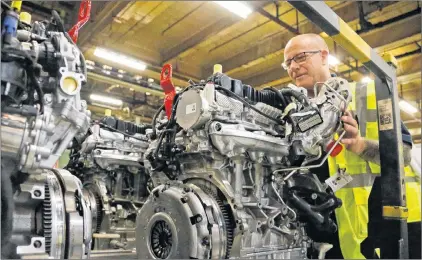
<point x="300" y="58"/>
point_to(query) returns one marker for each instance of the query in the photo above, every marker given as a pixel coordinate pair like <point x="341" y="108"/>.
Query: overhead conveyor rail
<point x="395" y="241"/>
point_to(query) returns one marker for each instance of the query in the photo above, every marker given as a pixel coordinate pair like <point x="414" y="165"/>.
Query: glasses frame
<point x="284" y="64"/>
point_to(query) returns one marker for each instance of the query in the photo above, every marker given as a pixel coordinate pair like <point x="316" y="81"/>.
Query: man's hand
<point x="352" y="139"/>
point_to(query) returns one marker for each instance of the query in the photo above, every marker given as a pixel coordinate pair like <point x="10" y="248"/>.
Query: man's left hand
<point x="352" y="139"/>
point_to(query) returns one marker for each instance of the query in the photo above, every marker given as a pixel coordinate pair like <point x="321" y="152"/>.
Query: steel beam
<point x="274" y="45"/>
<point x="394" y="230"/>
<point x="103" y="18"/>
<point x="276" y="20"/>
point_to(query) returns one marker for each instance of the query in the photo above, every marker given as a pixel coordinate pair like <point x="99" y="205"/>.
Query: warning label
<point x="385" y="112"/>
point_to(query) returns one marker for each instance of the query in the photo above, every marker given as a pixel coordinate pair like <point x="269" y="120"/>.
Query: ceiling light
<point x="407" y="107"/>
<point x="366" y="79"/>
<point x="119" y="58"/>
<point x="106" y="67"/>
<point x="120" y="75"/>
<point x="147" y="93"/>
<point x="333" y="61"/>
<point x="150" y="80"/>
<point x="90" y="62"/>
<point x="106" y="72"/>
<point x="107" y="100"/>
<point x="236" y="7"/>
<point x="90" y="67"/>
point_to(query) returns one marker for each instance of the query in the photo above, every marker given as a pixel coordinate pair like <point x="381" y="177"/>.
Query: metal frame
<point x="391" y="187"/>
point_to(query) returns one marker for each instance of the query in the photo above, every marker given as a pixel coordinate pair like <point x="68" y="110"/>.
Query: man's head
<point x="306" y="58"/>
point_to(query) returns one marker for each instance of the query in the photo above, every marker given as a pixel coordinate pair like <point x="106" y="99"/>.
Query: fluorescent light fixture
<point x="119" y="58"/>
<point x="120" y="75"/>
<point x="106" y="67"/>
<point x="333" y="61"/>
<point x="147" y="93"/>
<point x="90" y="67"/>
<point x="407" y="107"/>
<point x="107" y="100"/>
<point x="90" y="62"/>
<point x="236" y="7"/>
<point x="150" y="80"/>
<point x="366" y="79"/>
<point x="106" y="72"/>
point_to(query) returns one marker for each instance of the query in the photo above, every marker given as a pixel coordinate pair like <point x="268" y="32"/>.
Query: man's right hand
<point x="352" y="139"/>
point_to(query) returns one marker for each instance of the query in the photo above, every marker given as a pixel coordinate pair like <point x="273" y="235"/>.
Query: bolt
<point x="205" y="241"/>
<point x="186" y="189"/>
<point x="37" y="193"/>
<point x="185" y="199"/>
<point x="198" y="219"/>
<point x="217" y="127"/>
<point x="37" y="244"/>
<point x="48" y="99"/>
<point x="314" y="196"/>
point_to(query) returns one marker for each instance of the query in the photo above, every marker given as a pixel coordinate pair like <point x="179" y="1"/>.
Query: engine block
<point x="231" y="169"/>
<point x="114" y="181"/>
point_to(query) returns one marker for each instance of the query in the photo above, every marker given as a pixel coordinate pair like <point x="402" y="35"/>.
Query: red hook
<point x="168" y="87"/>
<point x="83" y="17"/>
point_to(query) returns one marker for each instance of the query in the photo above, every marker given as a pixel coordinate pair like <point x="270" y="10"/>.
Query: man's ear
<point x="324" y="55"/>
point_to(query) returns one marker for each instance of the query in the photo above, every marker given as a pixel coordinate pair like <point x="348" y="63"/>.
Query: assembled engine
<point x="42" y="72"/>
<point x="115" y="183"/>
<point x="230" y="171"/>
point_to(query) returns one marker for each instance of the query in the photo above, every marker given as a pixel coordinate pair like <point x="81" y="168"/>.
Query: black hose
<point x="154" y="121"/>
<point x="59" y="23"/>
<point x="298" y="95"/>
<point x="248" y="105"/>
<point x="279" y="95"/>
<point x="318" y="219"/>
<point x="38" y="88"/>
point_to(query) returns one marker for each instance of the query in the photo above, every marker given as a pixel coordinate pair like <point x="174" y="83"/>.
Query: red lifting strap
<point x="83" y="17"/>
<point x="168" y="87"/>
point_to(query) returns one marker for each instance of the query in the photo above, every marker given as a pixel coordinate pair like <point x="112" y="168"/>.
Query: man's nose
<point x="294" y="65"/>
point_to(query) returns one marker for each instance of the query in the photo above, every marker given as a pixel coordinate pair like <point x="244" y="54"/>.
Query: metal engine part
<point x="50" y="218"/>
<point x="42" y="72"/>
<point x="115" y="182"/>
<point x="216" y="158"/>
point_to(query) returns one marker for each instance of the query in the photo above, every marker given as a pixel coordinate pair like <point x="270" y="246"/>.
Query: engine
<point x="114" y="181"/>
<point x="230" y="167"/>
<point x="42" y="73"/>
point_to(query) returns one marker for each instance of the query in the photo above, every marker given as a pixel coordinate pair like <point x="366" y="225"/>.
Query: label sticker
<point x="190" y="108"/>
<point x="338" y="180"/>
<point x="385" y="113"/>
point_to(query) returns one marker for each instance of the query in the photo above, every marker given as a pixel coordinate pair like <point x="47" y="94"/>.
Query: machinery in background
<point x="231" y="169"/>
<point x="44" y="214"/>
<point x="115" y="184"/>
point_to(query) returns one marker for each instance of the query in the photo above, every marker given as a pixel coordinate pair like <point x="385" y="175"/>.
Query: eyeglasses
<point x="299" y="59"/>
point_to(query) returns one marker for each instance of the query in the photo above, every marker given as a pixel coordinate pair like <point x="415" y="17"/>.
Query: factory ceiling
<point x="194" y="35"/>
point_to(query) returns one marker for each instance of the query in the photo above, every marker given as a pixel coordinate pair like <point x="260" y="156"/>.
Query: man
<point x="306" y="60"/>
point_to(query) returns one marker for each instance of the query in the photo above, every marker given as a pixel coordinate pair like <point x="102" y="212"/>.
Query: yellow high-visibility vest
<point x="352" y="217"/>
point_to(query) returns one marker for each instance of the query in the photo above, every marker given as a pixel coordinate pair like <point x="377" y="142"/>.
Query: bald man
<point x="306" y="61"/>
